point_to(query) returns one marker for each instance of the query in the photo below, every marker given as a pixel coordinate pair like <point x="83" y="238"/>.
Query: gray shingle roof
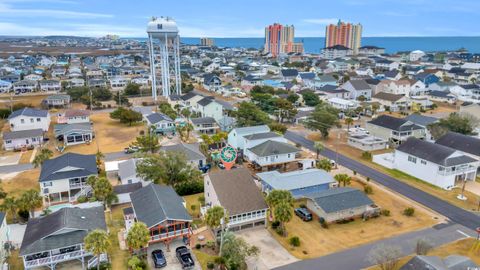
<point x="241" y="131"/>
<point x="338" y="199"/>
<point x="65" y="129"/>
<point x="38" y="234"/>
<point x="432" y="152"/>
<point x="388" y="96"/>
<point x="457" y="262"/>
<point x="29" y="112"/>
<point x="29" y="133"/>
<point x="359" y="85"/>
<point x="157" y="117"/>
<point x="421" y="120"/>
<point x="464" y="143"/>
<point x="270" y="148"/>
<point x="80" y="166"/>
<point x="191" y="151"/>
<point x="154" y="204"/>
<point x="203" y="120"/>
<point x="236" y="191"/>
<point x="258" y="136"/>
<point x="127" y="168"/>
<point x="205" y="101"/>
<point x="394" y="123"/>
<point x="127" y="188"/>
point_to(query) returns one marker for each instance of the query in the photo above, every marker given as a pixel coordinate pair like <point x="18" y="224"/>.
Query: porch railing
<point x="56" y="258"/>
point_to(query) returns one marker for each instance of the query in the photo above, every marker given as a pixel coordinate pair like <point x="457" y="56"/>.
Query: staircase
<point x="94" y="260"/>
<point x="83" y="192"/>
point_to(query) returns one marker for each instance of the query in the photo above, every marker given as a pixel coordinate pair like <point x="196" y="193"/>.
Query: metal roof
<point x="270" y="148"/>
<point x="296" y="179"/>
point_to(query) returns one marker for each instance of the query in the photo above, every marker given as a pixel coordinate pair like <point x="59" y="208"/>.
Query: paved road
<point x="356" y="258"/>
<point x="454" y="213"/>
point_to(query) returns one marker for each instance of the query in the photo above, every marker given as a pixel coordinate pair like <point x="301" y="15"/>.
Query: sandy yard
<point x="32" y="99"/>
<point x="16" y="184"/>
<point x="317" y="241"/>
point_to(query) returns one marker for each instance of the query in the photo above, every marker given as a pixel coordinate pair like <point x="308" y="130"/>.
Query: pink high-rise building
<point x="345" y="34"/>
<point x="280" y="39"/>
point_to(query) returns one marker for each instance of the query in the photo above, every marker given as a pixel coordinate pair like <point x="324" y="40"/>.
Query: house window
<point x="8" y="141"/>
<point x="22" y="121"/>
<point x="31" y="120"/>
<point x="38" y="119"/>
<point x="47" y="184"/>
<point x="424" y="162"/>
<point x="412" y="159"/>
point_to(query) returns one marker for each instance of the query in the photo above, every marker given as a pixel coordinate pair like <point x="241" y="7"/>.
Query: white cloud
<point x="7" y="10"/>
<point x="86" y="30"/>
<point x="321" y="21"/>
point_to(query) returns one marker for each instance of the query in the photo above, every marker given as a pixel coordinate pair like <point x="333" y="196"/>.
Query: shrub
<point x="278" y="127"/>
<point x="275" y="224"/>
<point x="409" y="211"/>
<point x="107" y="266"/>
<point x="366" y="155"/>
<point x="210" y="265"/>
<point x="198" y="246"/>
<point x="210" y="244"/>
<point x="385" y="212"/>
<point x="189" y="188"/>
<point x="201" y="200"/>
<point x="279" y="231"/>
<point x="368" y="179"/>
<point x="294" y="241"/>
<point x="354" y="172"/>
<point x="368" y="189"/>
<point x="24" y="215"/>
<point x="303" y="206"/>
<point x="82" y="199"/>
<point x="92" y="199"/>
<point x="193" y="207"/>
<point x="323" y="223"/>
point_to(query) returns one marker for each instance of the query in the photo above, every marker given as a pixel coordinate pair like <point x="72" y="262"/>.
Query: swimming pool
<point x="55" y="208"/>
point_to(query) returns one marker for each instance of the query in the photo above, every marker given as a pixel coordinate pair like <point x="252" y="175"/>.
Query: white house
<point x="237" y="193"/>
<point x="258" y="138"/>
<point x="77" y="116"/>
<point x="343" y="104"/>
<point x="416" y="55"/>
<point x="50" y="85"/>
<point x="236" y="136"/>
<point x="29" y="118"/>
<point x="358" y="88"/>
<point x="64" y="178"/>
<point x="271" y="153"/>
<point x="208" y="107"/>
<point x="5" y="86"/>
<point x="24" y="86"/>
<point x="400" y="87"/>
<point x="436" y="164"/>
<point x="22" y="139"/>
<point x="4" y="237"/>
<point x="127" y="172"/>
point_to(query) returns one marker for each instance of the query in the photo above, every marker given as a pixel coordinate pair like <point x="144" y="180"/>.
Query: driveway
<point x="172" y="261"/>
<point x="10" y="159"/>
<point x="272" y="254"/>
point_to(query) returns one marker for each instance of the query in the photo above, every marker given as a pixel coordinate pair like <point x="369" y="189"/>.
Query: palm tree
<point x="375" y="108"/>
<point x="348" y="121"/>
<point x="102" y="189"/>
<point x="42" y="156"/>
<point x="138" y="236"/>
<point x="324" y="164"/>
<point x="214" y="217"/>
<point x="318" y="147"/>
<point x="343" y="178"/>
<point x="187" y="128"/>
<point x="97" y="243"/>
<point x="277" y="196"/>
<point x="10" y="205"/>
<point x="30" y="200"/>
<point x="221" y="262"/>
<point x="99" y="156"/>
<point x="283" y="213"/>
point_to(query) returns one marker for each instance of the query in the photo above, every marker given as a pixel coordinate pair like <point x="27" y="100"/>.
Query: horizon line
<point x="131" y="37"/>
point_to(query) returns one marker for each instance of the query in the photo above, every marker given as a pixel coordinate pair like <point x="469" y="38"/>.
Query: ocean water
<point x="391" y="44"/>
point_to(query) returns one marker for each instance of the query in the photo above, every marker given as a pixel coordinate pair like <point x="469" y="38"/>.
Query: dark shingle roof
<point x="338" y="199"/>
<point x="388" y="96"/>
<point x="337" y="47"/>
<point x="81" y="165"/>
<point x="289" y="72"/>
<point x="29" y="133"/>
<point x="188" y="96"/>
<point x="157" y="117"/>
<point x="394" y="123"/>
<point x="38" y="234"/>
<point x="360" y="85"/>
<point x="421" y="120"/>
<point x="205" y="101"/>
<point x="29" y="112"/>
<point x="432" y="152"/>
<point x="270" y="148"/>
<point x="464" y="143"/>
<point x="203" y="120"/>
<point x="154" y="204"/>
<point x="424" y="262"/>
<point x="191" y="151"/>
<point x="258" y="136"/>
<point x="127" y="188"/>
<point x="237" y="191"/>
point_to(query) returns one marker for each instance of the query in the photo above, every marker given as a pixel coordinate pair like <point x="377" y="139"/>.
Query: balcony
<point x="176" y="233"/>
<point x="248" y="218"/>
<point x="449" y="171"/>
<point x="47" y="261"/>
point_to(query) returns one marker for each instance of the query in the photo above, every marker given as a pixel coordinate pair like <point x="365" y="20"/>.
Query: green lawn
<point x="203" y="258"/>
<point x="192" y="200"/>
<point x="118" y="258"/>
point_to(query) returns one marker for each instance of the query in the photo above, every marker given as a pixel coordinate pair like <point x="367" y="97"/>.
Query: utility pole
<point x="90" y="91"/>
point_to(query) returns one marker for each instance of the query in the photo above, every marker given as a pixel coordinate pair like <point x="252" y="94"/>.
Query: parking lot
<point x="172" y="261"/>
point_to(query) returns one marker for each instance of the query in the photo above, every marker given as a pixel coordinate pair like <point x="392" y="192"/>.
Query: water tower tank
<point x="158" y="27"/>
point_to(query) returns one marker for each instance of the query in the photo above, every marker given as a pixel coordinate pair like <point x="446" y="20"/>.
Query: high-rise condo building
<point x="206" y="42"/>
<point x="280" y="39"/>
<point x="345" y="34"/>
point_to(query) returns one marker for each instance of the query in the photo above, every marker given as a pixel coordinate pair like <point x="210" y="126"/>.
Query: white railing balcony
<point x="170" y="234"/>
<point x="77" y="185"/>
<point x="56" y="259"/>
<point x="238" y="220"/>
<point x="446" y="172"/>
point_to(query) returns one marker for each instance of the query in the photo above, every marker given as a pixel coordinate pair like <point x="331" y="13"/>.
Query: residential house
<point x="236" y="191"/>
<point x="395" y="130"/>
<point x="77" y="116"/>
<point x="204" y="125"/>
<point x="391" y="101"/>
<point x="433" y="163"/>
<point x="441" y="96"/>
<point x="64" y="178"/>
<point x="452" y="262"/>
<point x="161" y="123"/>
<point x="324" y="80"/>
<point x="191" y="151"/>
<point x="468" y="145"/>
<point x="426" y="78"/>
<point x="209" y="107"/>
<point x="337" y="51"/>
<point x="212" y="82"/>
<point x="253" y="140"/>
<point x="25" y="86"/>
<point x="343" y="104"/>
<point x="29" y="118"/>
<point x="190" y="100"/>
<point x="400" y="87"/>
<point x="127" y="172"/>
<point x="393" y="75"/>
<point x="22" y="139"/>
<point x="299" y="183"/>
<point x="5" y="86"/>
<point x="307" y="79"/>
<point x="50" y="85"/>
<point x="371" y="50"/>
<point x="59" y="238"/>
<point x="163" y="211"/>
<point x="423" y="121"/>
<point x="73" y="134"/>
<point x="340" y="204"/>
<point x="289" y="74"/>
<point x="57" y="100"/>
<point x="358" y="88"/>
<point x="271" y="153"/>
<point x="236" y="136"/>
<point x="366" y="142"/>
<point x="330" y="91"/>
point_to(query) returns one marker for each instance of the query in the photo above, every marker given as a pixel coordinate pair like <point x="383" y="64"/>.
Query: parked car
<point x="184" y="257"/>
<point x="205" y="168"/>
<point x="303" y="213"/>
<point x="158" y="258"/>
<point x="131" y="149"/>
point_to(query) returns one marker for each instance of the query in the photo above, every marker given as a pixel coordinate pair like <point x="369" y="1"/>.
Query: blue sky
<point x="239" y="18"/>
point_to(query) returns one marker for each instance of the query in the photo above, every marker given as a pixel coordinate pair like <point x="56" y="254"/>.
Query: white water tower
<point x="164" y="49"/>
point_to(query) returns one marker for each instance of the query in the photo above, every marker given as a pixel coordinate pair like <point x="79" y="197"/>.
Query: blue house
<point x="426" y="78"/>
<point x="299" y="183"/>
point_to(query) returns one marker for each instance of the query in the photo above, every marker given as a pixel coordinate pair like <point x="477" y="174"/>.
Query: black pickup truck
<point x="184" y="257"/>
